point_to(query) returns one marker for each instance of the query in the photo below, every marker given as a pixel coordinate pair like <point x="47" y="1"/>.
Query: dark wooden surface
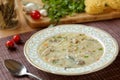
<point x="112" y="72"/>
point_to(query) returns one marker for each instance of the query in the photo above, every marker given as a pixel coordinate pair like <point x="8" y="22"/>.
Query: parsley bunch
<point x="60" y="8"/>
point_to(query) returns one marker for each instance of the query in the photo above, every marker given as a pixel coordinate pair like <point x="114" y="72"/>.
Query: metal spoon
<point x="17" y="69"/>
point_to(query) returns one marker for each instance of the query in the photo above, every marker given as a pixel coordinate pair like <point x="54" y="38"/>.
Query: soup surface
<point x="70" y="50"/>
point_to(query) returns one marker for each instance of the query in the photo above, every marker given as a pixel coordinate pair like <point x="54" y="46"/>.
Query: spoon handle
<point x="34" y="76"/>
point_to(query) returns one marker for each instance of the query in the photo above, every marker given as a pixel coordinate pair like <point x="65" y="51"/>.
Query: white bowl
<point x="109" y="43"/>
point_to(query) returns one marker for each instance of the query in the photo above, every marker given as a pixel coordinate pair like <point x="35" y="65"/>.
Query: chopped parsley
<point x="86" y="56"/>
<point x="100" y="48"/>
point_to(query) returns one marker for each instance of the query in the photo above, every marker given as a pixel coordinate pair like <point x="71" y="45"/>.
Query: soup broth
<point x="70" y="50"/>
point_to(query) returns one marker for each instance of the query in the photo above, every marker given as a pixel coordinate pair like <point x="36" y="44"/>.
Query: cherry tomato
<point x="10" y="44"/>
<point x="35" y="15"/>
<point x="16" y="38"/>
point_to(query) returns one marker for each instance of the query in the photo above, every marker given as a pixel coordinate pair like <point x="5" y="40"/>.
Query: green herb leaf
<point x="60" y="8"/>
<point x="100" y="48"/>
<point x="86" y="56"/>
<point x="55" y="61"/>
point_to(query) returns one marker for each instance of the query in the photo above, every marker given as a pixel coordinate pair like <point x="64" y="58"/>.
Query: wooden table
<point x="20" y="29"/>
<point x="23" y="27"/>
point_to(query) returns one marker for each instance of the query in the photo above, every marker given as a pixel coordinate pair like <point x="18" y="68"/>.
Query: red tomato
<point x="10" y="44"/>
<point x="35" y="15"/>
<point x="16" y="38"/>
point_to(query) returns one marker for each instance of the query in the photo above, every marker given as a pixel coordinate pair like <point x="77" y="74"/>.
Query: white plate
<point x="109" y="43"/>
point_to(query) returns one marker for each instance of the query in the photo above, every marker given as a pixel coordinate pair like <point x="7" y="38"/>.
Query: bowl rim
<point x="71" y="74"/>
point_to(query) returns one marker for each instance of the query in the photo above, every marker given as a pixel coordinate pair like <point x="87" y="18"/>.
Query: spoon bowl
<point x="17" y="69"/>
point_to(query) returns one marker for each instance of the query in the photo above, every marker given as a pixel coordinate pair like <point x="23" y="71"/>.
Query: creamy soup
<point x="70" y="50"/>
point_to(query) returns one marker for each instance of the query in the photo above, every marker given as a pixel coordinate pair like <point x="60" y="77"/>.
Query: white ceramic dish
<point x="109" y="43"/>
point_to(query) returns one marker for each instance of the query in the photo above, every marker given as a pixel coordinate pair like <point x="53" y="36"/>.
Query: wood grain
<point x="78" y="18"/>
